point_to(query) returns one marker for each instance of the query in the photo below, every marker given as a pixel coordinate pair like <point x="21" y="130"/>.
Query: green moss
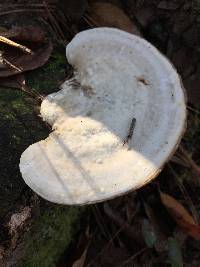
<point x="52" y="230"/>
<point x="46" y="79"/>
<point x="51" y="235"/>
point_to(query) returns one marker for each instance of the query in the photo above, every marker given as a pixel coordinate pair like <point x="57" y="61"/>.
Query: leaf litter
<point x="16" y="58"/>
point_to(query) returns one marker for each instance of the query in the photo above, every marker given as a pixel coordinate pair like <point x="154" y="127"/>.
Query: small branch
<point x="187" y="158"/>
<point x="8" y="63"/>
<point x="21" y="11"/>
<point x="38" y="97"/>
<point x="135" y="256"/>
<point x="16" y="45"/>
<point x="119" y="221"/>
<point x="54" y="22"/>
<point x="130" y="131"/>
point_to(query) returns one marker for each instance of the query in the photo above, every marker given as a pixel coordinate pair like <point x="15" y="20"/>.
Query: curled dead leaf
<point x="17" y="62"/>
<point x="16" y="81"/>
<point x="13" y="60"/>
<point x="181" y="216"/>
<point x="101" y="14"/>
<point x="29" y="33"/>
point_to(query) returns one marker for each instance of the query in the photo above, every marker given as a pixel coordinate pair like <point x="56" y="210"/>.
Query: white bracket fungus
<point x="114" y="125"/>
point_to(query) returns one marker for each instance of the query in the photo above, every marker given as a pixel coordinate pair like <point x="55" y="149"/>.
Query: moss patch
<point x="52" y="234"/>
<point x="52" y="230"/>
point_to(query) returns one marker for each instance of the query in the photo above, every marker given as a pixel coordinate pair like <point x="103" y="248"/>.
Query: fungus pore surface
<point x="114" y="124"/>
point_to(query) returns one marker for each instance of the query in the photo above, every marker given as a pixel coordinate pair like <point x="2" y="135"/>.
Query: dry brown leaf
<point x="80" y="262"/>
<point x="14" y="61"/>
<point x="181" y="216"/>
<point x="17" y="62"/>
<point x="103" y="14"/>
<point x="16" y="81"/>
<point x="29" y="33"/>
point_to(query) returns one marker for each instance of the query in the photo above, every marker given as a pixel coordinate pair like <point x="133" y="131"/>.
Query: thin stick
<point x="188" y="159"/>
<point x="64" y="20"/>
<point x="177" y="160"/>
<point x="11" y="65"/>
<point x="54" y="22"/>
<point x="87" y="17"/>
<point x="130" y="131"/>
<point x="135" y="256"/>
<point x="26" y="5"/>
<point x="19" y="46"/>
<point x="21" y="11"/>
<point x="185" y="193"/>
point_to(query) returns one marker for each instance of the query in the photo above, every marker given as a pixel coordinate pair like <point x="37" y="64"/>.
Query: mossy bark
<point x="50" y="228"/>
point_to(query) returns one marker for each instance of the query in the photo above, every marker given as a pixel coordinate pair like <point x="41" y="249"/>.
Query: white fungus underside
<point x="84" y="159"/>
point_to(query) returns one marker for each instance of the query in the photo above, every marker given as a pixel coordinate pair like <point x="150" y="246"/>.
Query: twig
<point x="91" y="22"/>
<point x="54" y="22"/>
<point x="100" y="220"/>
<point x="64" y="21"/>
<point x="193" y="110"/>
<point x="21" y="11"/>
<point x="29" y="5"/>
<point x="185" y="193"/>
<point x="121" y="228"/>
<point x="106" y="246"/>
<point x="130" y="131"/>
<point x="186" y="157"/>
<point x="135" y="256"/>
<point x="89" y="19"/>
<point x="38" y="97"/>
<point x="19" y="46"/>
<point x="119" y="221"/>
<point x="177" y="160"/>
<point x="5" y="61"/>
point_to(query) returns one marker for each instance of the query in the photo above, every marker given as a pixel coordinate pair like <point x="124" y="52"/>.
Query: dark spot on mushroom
<point x="142" y="80"/>
<point x="87" y="90"/>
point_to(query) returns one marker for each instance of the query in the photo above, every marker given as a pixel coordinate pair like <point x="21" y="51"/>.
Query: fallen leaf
<point x="16" y="81"/>
<point x="103" y="14"/>
<point x="181" y="216"/>
<point x="175" y="254"/>
<point x="80" y="262"/>
<point x="29" y="33"/>
<point x="14" y="61"/>
<point x="17" y="62"/>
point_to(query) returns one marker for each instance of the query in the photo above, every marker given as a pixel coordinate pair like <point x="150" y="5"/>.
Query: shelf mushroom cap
<point x="114" y="124"/>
